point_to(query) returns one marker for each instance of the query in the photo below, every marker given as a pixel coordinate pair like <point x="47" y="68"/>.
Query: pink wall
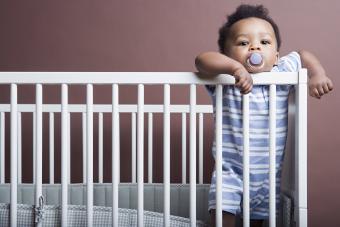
<point x="166" y="36"/>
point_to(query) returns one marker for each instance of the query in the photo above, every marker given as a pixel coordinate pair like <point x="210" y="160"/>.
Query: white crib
<point x="149" y="204"/>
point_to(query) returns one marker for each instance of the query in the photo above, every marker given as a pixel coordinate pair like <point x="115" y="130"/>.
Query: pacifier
<point x="255" y="59"/>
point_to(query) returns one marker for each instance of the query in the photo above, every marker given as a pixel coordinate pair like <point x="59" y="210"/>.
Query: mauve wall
<point x="166" y="36"/>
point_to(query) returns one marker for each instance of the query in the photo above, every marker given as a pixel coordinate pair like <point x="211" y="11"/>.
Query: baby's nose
<point x="255" y="47"/>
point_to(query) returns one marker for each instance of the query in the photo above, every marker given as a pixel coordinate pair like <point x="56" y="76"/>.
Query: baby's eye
<point x="243" y="43"/>
<point x="265" y="42"/>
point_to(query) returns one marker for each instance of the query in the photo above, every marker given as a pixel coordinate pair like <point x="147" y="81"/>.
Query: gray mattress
<point x="153" y="205"/>
<point x="102" y="216"/>
<point x="153" y="201"/>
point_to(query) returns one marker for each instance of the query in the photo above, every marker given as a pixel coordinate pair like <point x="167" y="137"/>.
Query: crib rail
<point x="137" y="117"/>
<point x="145" y="78"/>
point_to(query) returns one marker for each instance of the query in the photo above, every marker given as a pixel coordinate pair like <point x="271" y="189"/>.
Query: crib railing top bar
<point x="138" y="78"/>
<point x="107" y="108"/>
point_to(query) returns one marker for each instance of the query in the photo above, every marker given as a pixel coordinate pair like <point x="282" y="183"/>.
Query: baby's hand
<point x="243" y="80"/>
<point x="319" y="85"/>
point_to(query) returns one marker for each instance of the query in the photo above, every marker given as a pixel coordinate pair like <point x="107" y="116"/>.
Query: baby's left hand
<point x="319" y="85"/>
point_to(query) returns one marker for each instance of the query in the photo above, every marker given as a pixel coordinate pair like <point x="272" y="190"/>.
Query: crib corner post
<point x="301" y="151"/>
<point x="13" y="156"/>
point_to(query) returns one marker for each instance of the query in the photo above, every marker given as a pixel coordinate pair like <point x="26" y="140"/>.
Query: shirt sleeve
<point x="290" y="62"/>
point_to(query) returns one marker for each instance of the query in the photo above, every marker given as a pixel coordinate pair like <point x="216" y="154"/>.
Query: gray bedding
<point x="102" y="216"/>
<point x="153" y="205"/>
<point x="153" y="197"/>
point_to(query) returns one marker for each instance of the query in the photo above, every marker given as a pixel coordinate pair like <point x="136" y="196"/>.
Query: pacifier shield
<point x="255" y="59"/>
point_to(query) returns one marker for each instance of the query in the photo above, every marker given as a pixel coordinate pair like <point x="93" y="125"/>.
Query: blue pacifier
<point x="255" y="59"/>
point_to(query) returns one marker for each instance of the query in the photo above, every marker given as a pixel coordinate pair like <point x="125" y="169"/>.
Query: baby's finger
<point x="325" y="88"/>
<point x="312" y="92"/>
<point x="315" y="93"/>
<point x="244" y="92"/>
<point x="330" y="85"/>
<point x="247" y="88"/>
<point x="242" y="87"/>
<point x="240" y="84"/>
<point x="320" y="90"/>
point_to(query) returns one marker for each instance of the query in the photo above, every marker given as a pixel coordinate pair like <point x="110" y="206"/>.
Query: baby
<point x="249" y="42"/>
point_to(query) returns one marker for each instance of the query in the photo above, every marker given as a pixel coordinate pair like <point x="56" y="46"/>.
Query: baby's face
<point x="252" y="35"/>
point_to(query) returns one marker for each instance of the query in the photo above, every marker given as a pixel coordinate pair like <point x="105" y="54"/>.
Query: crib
<point x="108" y="201"/>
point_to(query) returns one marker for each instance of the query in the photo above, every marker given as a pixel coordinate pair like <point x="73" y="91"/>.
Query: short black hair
<point x="242" y="12"/>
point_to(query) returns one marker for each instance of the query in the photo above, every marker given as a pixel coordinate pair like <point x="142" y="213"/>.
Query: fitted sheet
<point x="102" y="216"/>
<point x="102" y="196"/>
<point x="153" y="203"/>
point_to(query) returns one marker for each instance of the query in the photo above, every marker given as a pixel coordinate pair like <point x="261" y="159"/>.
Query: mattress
<point x="102" y="216"/>
<point x="102" y="196"/>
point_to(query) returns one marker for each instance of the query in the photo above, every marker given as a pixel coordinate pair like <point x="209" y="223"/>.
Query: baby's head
<point x="250" y="30"/>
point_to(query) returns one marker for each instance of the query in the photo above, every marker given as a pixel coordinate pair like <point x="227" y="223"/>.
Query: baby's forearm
<point x="214" y="63"/>
<point x="312" y="64"/>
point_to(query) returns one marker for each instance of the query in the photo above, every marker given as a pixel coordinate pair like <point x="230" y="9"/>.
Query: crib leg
<point x="301" y="217"/>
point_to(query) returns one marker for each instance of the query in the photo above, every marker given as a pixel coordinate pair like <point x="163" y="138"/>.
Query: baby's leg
<point x="228" y="219"/>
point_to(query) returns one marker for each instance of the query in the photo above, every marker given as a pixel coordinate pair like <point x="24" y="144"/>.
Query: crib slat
<point x="150" y="147"/>
<point x="218" y="163"/>
<point x="69" y="147"/>
<point x="166" y="156"/>
<point x="301" y="150"/>
<point x="272" y="155"/>
<point x="200" y="148"/>
<point x="34" y="145"/>
<point x="140" y="156"/>
<point x="118" y="142"/>
<point x="19" y="149"/>
<point x="64" y="154"/>
<point x="184" y="148"/>
<point x="246" y="212"/>
<point x="133" y="147"/>
<point x="14" y="156"/>
<point x="89" y="140"/>
<point x="193" y="155"/>
<point x="100" y="147"/>
<point x="39" y="117"/>
<point x="2" y="147"/>
<point x="51" y="147"/>
<point x="115" y="153"/>
<point x="84" y="146"/>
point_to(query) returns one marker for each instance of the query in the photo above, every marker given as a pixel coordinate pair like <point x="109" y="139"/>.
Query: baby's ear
<point x="277" y="58"/>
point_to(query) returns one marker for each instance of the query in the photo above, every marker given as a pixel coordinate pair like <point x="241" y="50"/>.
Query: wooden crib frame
<point x="140" y="79"/>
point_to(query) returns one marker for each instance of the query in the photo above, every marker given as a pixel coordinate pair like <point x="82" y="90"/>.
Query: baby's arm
<point x="210" y="64"/>
<point x="319" y="84"/>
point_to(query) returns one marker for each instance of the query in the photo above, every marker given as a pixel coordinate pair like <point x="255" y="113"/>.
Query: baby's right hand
<point x="243" y="80"/>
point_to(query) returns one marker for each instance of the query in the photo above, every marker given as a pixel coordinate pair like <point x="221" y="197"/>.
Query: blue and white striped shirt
<point x="259" y="110"/>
